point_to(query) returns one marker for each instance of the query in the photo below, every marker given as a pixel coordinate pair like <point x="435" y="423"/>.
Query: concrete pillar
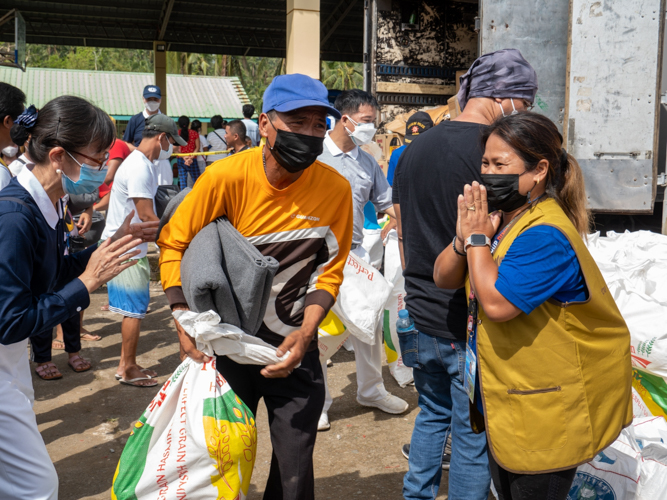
<point x="160" y="71"/>
<point x="303" y="37"/>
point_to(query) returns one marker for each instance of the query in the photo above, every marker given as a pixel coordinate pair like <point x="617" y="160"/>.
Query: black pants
<point x="510" y="486"/>
<point x="41" y="344"/>
<point x="294" y="405"/>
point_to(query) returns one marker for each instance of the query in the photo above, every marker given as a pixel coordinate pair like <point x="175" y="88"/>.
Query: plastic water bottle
<point x="404" y="323"/>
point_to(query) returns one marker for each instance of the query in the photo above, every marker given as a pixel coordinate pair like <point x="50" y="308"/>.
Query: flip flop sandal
<point x="133" y="382"/>
<point x="75" y="363"/>
<point x="43" y="372"/>
<point x="58" y="345"/>
<point x="91" y="337"/>
<point x="143" y="370"/>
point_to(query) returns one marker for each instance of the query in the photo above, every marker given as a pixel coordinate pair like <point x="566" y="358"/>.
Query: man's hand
<point x="146" y="231"/>
<point x="188" y="344"/>
<point x="85" y="221"/>
<point x="392" y="224"/>
<point x="297" y="344"/>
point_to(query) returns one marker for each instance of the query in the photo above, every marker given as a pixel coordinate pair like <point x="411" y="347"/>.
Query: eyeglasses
<point x="99" y="164"/>
<point x="527" y="105"/>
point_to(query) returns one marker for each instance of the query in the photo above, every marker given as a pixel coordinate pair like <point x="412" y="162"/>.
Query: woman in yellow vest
<point x="548" y="353"/>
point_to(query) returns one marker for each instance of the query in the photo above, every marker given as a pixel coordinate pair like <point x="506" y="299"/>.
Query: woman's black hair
<point x="183" y="123"/>
<point x="195" y="125"/>
<point x="69" y="122"/>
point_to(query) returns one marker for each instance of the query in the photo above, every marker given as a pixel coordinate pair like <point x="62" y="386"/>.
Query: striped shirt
<point x="306" y="227"/>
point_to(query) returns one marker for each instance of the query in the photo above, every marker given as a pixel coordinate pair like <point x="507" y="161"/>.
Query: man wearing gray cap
<point x="134" y="188"/>
<point x="428" y="179"/>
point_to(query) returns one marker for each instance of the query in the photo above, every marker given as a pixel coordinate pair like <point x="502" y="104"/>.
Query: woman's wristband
<point x="462" y="254"/>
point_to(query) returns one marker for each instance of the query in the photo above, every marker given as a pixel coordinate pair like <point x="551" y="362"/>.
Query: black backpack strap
<point x="20" y="202"/>
<point x="220" y="138"/>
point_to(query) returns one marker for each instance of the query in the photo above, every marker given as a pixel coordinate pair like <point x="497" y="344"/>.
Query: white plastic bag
<point x="222" y="339"/>
<point x="393" y="272"/>
<point x="196" y="440"/>
<point x="361" y="299"/>
<point x="613" y="474"/>
<point x="372" y="243"/>
<point x="651" y="435"/>
<point x="634" y="265"/>
<point x="331" y="335"/>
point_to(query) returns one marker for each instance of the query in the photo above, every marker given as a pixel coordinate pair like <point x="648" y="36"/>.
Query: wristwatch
<point x="477" y="240"/>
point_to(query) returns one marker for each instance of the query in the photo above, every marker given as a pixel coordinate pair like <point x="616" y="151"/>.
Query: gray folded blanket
<point x="222" y="271"/>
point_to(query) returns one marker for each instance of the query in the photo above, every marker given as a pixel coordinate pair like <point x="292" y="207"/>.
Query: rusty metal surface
<point x="539" y="29"/>
<point x="618" y="185"/>
<point x="446" y="39"/>
<point x="613" y="88"/>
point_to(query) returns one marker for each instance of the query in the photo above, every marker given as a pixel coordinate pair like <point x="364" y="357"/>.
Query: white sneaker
<point x="388" y="404"/>
<point x="323" y="424"/>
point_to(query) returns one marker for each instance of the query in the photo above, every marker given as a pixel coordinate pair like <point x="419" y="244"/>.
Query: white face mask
<point x="152" y="106"/>
<point x="165" y="154"/>
<point x="10" y="151"/>
<point x="363" y="132"/>
<point x="514" y="111"/>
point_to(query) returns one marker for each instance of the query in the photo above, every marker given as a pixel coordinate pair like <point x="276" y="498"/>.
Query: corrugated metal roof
<point x="120" y="93"/>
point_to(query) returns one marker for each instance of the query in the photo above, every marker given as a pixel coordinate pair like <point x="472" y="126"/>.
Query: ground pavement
<point x="85" y="418"/>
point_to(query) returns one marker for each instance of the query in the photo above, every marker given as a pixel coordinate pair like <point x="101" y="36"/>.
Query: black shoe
<point x="446" y="458"/>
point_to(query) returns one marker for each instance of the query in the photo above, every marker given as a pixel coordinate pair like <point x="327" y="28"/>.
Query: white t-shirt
<point x="165" y="174"/>
<point x="217" y="143"/>
<point x="201" y="160"/>
<point x="136" y="178"/>
<point x="252" y="131"/>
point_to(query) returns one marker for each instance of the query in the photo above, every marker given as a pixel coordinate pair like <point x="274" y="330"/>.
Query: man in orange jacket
<point x="299" y="211"/>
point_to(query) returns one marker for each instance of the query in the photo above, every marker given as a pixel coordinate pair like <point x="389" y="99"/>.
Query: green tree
<point x="255" y="73"/>
<point x="338" y="75"/>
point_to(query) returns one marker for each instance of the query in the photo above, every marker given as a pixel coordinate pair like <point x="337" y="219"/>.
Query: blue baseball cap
<point x="290" y="92"/>
<point x="152" y="91"/>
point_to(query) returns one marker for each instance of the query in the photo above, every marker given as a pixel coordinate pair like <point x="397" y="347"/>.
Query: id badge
<point x="471" y="351"/>
<point x="470" y="373"/>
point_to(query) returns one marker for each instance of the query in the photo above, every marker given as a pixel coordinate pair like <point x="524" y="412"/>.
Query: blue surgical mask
<point x="90" y="179"/>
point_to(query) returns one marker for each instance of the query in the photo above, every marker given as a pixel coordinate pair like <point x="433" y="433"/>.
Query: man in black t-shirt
<point x="429" y="177"/>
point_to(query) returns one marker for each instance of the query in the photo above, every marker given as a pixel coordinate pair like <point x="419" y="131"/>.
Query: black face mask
<point x="295" y="152"/>
<point x="503" y="192"/>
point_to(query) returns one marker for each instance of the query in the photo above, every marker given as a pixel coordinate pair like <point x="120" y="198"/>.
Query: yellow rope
<point x="203" y="153"/>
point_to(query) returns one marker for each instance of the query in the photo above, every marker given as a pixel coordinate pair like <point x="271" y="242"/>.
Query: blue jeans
<point x="439" y="365"/>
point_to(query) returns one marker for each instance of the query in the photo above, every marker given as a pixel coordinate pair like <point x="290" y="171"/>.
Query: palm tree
<point x="337" y="75"/>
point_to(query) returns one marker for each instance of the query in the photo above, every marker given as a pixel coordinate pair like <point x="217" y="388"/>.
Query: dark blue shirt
<point x="135" y="129"/>
<point x="540" y="265"/>
<point x="39" y="288"/>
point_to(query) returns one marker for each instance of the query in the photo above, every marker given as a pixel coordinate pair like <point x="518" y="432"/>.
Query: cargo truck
<point x="599" y="67"/>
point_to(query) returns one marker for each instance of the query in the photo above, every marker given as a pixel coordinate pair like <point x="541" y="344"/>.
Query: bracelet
<point x="462" y="254"/>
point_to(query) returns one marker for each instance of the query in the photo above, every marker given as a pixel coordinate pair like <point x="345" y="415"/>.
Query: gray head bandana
<point x="504" y="74"/>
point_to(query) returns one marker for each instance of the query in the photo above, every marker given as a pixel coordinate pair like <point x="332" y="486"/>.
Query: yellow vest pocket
<point x="532" y="430"/>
